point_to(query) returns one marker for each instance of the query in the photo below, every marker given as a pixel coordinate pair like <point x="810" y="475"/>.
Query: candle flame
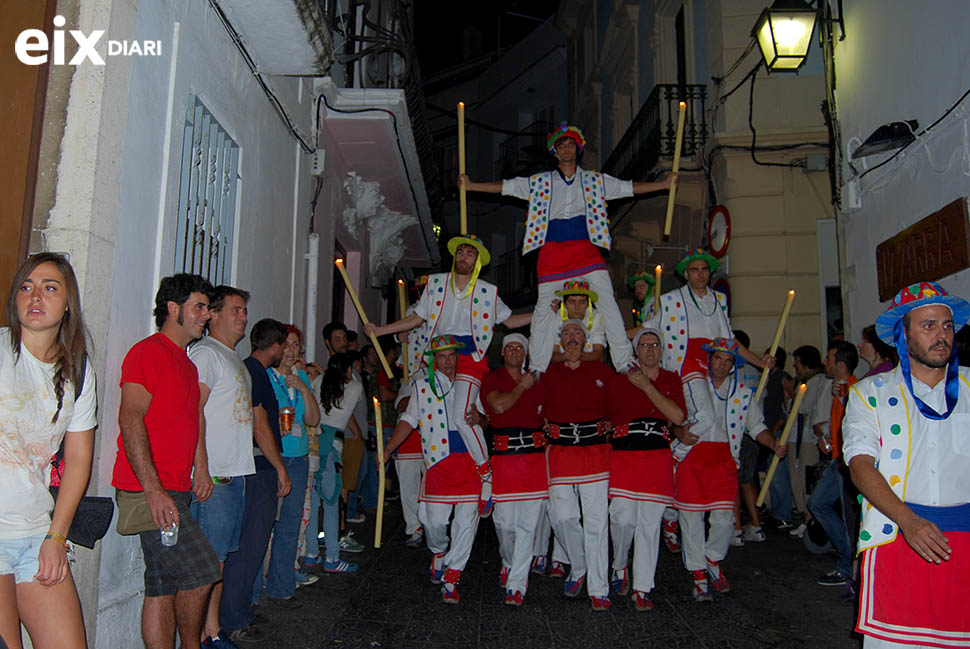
<point x="683" y="104"/>
<point x="803" y="387"/>
<point x="659" y="268"/>
<point x="400" y="282"/>
<point x="791" y="291"/>
<point x="461" y="104"/>
<point x="339" y="261"/>
<point x="376" y="402"/>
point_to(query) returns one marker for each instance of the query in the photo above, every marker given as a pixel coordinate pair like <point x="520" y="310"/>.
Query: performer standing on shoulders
<point x="907" y="445"/>
<point x="566" y="222"/>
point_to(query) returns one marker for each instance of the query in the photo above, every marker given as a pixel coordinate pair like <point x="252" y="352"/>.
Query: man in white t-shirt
<point x="226" y="417"/>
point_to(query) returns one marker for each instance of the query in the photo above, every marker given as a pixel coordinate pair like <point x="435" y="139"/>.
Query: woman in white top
<point x="339" y="395"/>
<point x="42" y="361"/>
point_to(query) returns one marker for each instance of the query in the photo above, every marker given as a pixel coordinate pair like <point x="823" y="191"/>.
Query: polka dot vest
<point x="540" y="195"/>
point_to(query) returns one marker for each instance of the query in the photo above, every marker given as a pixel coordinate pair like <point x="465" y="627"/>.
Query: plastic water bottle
<point x="170" y="536"/>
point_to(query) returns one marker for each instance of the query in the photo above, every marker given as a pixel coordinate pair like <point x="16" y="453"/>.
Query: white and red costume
<point x="578" y="463"/>
<point x="566" y="222"/>
<point x="519" y="483"/>
<point x="641" y="473"/>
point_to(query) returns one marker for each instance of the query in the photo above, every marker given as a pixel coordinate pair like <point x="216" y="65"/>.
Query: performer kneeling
<point x="642" y="405"/>
<point x="451" y="484"/>
<point x="520" y="486"/>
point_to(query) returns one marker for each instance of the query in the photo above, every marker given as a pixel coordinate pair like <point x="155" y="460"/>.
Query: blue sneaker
<point x="538" y="565"/>
<point x="304" y="578"/>
<point x="312" y="561"/>
<point x="574" y="588"/>
<point x="339" y="565"/>
<point x="221" y="641"/>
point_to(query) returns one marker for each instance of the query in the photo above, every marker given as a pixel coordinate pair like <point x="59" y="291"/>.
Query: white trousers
<point x="579" y="515"/>
<point x="435" y="516"/>
<point x="540" y="546"/>
<point x="713" y="545"/>
<point x="515" y="526"/>
<point x="466" y="395"/>
<point x="546" y="322"/>
<point x="640" y="520"/>
<point x="409" y="474"/>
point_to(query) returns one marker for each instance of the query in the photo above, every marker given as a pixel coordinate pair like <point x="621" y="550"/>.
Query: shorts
<point x="188" y="564"/>
<point x="750" y="450"/>
<point x="19" y="557"/>
<point x="220" y="517"/>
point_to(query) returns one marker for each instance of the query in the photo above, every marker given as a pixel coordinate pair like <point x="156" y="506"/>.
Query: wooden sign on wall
<point x="936" y="246"/>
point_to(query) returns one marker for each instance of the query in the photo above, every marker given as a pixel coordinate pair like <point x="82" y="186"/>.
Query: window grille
<point x="207" y="197"/>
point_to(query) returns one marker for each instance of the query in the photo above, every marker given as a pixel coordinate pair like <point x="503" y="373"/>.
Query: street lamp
<point x="784" y="34"/>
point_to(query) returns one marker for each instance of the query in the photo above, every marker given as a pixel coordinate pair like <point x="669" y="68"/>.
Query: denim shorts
<point x="220" y="517"/>
<point x="18" y="557"/>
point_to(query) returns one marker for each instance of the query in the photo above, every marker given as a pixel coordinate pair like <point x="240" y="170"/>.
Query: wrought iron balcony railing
<point x="653" y="132"/>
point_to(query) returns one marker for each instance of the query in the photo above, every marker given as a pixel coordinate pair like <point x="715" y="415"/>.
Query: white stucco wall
<point x="900" y="60"/>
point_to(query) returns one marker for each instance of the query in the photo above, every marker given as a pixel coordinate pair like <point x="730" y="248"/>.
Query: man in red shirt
<point x="574" y="402"/>
<point x="643" y="404"/>
<point x="519" y="483"/>
<point x="157" y="448"/>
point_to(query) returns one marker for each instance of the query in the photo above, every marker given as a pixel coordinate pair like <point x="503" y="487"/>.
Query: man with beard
<point x="907" y="444"/>
<point x="451" y="486"/>
<point x="706" y="476"/>
<point x="518" y="463"/>
<point x="574" y="402"/>
<point x="642" y="286"/>
<point x="643" y="404"/>
<point x="566" y="222"/>
<point x="459" y="304"/>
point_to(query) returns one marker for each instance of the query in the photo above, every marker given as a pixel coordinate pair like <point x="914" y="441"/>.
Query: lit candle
<point x="363" y="317"/>
<point x="402" y="299"/>
<point x="792" y="416"/>
<point x="681" y="110"/>
<point x="774" y="343"/>
<point x="380" y="472"/>
<point x="463" y="207"/>
<point x="657" y="272"/>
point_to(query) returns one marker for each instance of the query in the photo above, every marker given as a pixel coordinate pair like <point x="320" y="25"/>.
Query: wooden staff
<point x="363" y="317"/>
<point x="656" y="287"/>
<point x="792" y="416"/>
<point x="774" y="343"/>
<point x="402" y="298"/>
<point x="463" y="206"/>
<point x="671" y="197"/>
<point x="380" y="472"/>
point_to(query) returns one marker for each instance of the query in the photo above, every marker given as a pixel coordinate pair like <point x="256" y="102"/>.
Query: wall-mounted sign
<point x="719" y="231"/>
<point x="936" y="246"/>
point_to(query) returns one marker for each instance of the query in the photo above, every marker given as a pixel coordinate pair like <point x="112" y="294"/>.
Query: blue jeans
<point x="313" y="522"/>
<point x="780" y="490"/>
<point x="235" y="609"/>
<point x="281" y="580"/>
<point x="827" y="506"/>
<point x="220" y="516"/>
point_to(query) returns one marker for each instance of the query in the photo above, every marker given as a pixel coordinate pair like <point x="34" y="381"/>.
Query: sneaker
<point x="737" y="540"/>
<point x="538" y="565"/>
<point x="601" y="603"/>
<point x="514" y="599"/>
<point x="642" y="601"/>
<point x="312" y="561"/>
<point x="573" y="588"/>
<point x="831" y="579"/>
<point x="359" y="518"/>
<point x="248" y="636"/>
<point x="339" y="565"/>
<point x="718" y="581"/>
<point x="557" y="569"/>
<point x="416" y="539"/>
<point x="671" y="539"/>
<point x="289" y="603"/>
<point x="305" y="579"/>
<point x="221" y="641"/>
<point x="619" y="582"/>
<point x="701" y="591"/>
<point x="503" y="576"/>
<point x="799" y="531"/>
<point x="449" y="594"/>
<point x="783" y="525"/>
<point x="754" y="534"/>
<point x="348" y="544"/>
<point x="437" y="568"/>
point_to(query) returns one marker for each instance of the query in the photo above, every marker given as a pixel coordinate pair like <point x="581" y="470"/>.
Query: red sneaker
<point x="514" y="599"/>
<point x="642" y="601"/>
<point x="557" y="569"/>
<point x="671" y="539"/>
<point x="503" y="576"/>
<point x="601" y="603"/>
<point x="718" y="581"/>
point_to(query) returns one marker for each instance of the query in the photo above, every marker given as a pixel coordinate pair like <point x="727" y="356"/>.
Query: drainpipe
<point x="313" y="262"/>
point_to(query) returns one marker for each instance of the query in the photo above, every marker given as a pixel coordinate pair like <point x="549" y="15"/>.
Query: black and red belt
<point x="517" y="440"/>
<point x="643" y="434"/>
<point x="585" y="433"/>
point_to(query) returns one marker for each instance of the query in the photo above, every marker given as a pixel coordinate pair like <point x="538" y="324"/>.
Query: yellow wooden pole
<point x="463" y="206"/>
<point x="363" y="317"/>
<point x="671" y="197"/>
<point x="657" y="273"/>
<point x="380" y="472"/>
<point x="792" y="416"/>
<point x="402" y="298"/>
<point x="774" y="343"/>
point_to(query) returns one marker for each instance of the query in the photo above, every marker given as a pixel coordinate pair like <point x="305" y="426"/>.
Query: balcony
<point x="653" y="132"/>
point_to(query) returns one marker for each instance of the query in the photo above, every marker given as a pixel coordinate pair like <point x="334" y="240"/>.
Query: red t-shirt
<point x="628" y="402"/>
<point x="172" y="420"/>
<point x="524" y="413"/>
<point x="575" y="395"/>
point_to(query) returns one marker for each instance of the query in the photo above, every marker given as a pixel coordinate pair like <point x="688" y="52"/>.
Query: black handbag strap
<point x="56" y="460"/>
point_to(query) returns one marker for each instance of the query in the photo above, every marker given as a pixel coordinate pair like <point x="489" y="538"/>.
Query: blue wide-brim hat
<point x="915" y="296"/>
<point x="728" y="346"/>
